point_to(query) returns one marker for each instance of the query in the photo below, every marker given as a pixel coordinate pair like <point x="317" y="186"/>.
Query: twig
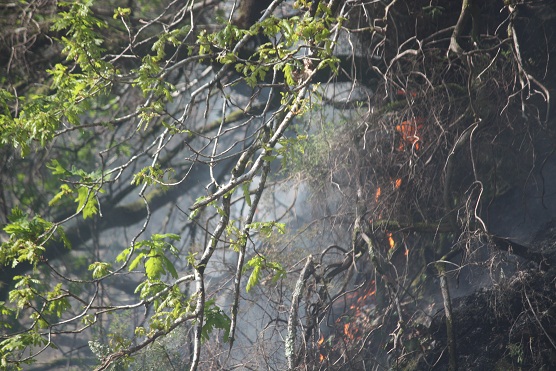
<point x="538" y="321"/>
<point x="449" y="319"/>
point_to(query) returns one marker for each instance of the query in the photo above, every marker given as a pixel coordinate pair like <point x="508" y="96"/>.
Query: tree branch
<point x="292" y="319"/>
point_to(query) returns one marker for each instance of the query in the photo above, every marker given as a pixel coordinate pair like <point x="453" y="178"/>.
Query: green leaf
<point x="123" y="255"/>
<point x="86" y="201"/>
<point x="58" y="301"/>
<point x="99" y="269"/>
<point x="57" y="168"/>
<point x="215" y="318"/>
<point x="135" y="262"/>
<point x="121" y="12"/>
<point x="65" y="190"/>
<point x="169" y="267"/>
<point x="246" y="193"/>
<point x="288" y="74"/>
<point x="257" y="263"/>
<point x="154" y="268"/>
<point x="160" y="237"/>
<point x="253" y="278"/>
<point x="280" y="272"/>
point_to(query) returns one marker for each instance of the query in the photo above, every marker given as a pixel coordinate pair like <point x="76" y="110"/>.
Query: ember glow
<point x="319" y="345"/>
<point x="397" y="183"/>
<point x="410" y="131"/>
<point x="377" y="194"/>
<point x="350" y="334"/>
<point x="391" y="241"/>
<point x="357" y="313"/>
<point x="402" y="92"/>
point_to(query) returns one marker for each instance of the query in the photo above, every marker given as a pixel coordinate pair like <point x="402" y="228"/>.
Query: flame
<point x="406" y="253"/>
<point x="398" y="183"/>
<point x="391" y="240"/>
<point x="377" y="194"/>
<point x="409" y="131"/>
<point x="352" y="323"/>
<point x="319" y="345"/>
<point x="346" y="329"/>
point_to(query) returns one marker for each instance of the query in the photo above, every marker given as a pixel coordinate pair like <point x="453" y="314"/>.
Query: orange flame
<point x="319" y="344"/>
<point x="409" y="131"/>
<point x="357" y="312"/>
<point x="391" y="240"/>
<point x="398" y="183"/>
<point x="348" y="333"/>
<point x="377" y="194"/>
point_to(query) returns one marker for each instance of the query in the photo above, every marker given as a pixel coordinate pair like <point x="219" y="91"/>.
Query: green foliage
<point x="215" y="318"/>
<point x="18" y="343"/>
<point x="266" y="229"/>
<point x="5" y="98"/>
<point x="153" y="253"/>
<point x="258" y="263"/>
<point x="64" y="191"/>
<point x="150" y="288"/>
<point x="151" y="175"/>
<point x="100" y="269"/>
<point x="82" y="92"/>
<point x="237" y="238"/>
<point x="29" y="291"/>
<point x="171" y="37"/>
<point x="37" y="121"/>
<point x="57" y="301"/>
<point x="148" y="77"/>
<point x="5" y="312"/>
<point x="28" y="238"/>
<point x="86" y="202"/>
<point x="285" y="56"/>
<point x="39" y="115"/>
<point x="223" y="39"/>
<point x="26" y="289"/>
<point x="121" y="12"/>
<point x="88" y="185"/>
<point x="170" y="304"/>
<point x="82" y="43"/>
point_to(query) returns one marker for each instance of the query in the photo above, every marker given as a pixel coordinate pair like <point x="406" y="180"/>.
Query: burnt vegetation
<point x="459" y="120"/>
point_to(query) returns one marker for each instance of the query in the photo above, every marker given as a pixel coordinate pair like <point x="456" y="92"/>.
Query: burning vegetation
<point x="356" y="317"/>
<point x="419" y="185"/>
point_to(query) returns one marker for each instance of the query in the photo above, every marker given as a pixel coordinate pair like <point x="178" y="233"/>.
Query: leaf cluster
<point x="28" y="238"/>
<point x="153" y="255"/>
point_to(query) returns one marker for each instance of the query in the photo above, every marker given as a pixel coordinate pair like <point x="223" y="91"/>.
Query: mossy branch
<point x="292" y="319"/>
